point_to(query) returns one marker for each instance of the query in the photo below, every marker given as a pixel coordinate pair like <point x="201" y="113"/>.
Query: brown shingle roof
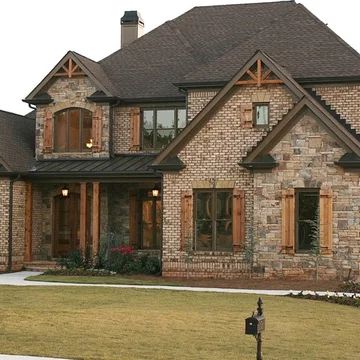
<point x="16" y="141"/>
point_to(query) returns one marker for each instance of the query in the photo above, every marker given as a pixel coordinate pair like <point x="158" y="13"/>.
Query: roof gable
<point x="259" y="59"/>
<point x="348" y="139"/>
<point x="73" y="64"/>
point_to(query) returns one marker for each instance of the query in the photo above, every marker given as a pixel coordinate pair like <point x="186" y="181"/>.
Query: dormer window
<point x="261" y="114"/>
<point x="72" y="130"/>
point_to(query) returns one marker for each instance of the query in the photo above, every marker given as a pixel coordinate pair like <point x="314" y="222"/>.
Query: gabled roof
<point x="91" y="68"/>
<point x="298" y="41"/>
<point x="17" y="138"/>
<point x="349" y="140"/>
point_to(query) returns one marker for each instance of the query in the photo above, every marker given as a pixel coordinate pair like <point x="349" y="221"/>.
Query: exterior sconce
<point x="155" y="192"/>
<point x="89" y="144"/>
<point x="65" y="191"/>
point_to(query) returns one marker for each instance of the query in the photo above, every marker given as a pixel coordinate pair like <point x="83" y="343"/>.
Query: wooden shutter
<point x="246" y="116"/>
<point x="288" y="221"/>
<point x="238" y="219"/>
<point x="97" y="129"/>
<point x="326" y="215"/>
<point x="186" y="218"/>
<point x="48" y="132"/>
<point x="135" y="129"/>
<point x="133" y="219"/>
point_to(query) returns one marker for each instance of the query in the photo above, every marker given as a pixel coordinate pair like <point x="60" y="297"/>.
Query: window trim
<point x="155" y="128"/>
<point x="81" y="128"/>
<point x="298" y="191"/>
<point x="254" y="105"/>
<point x="213" y="191"/>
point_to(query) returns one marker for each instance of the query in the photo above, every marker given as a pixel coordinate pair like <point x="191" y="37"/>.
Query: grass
<point x="113" y="279"/>
<point x="111" y="323"/>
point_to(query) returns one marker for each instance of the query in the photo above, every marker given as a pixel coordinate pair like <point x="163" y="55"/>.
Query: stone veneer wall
<point x="206" y="158"/>
<point x="345" y="99"/>
<point x="71" y="93"/>
<point x="306" y="158"/>
<point x="18" y="224"/>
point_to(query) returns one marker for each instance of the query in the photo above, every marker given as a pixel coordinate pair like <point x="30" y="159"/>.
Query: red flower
<point x="123" y="249"/>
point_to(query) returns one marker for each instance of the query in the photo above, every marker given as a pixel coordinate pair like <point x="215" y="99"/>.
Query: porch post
<point x="96" y="218"/>
<point x="28" y="222"/>
<point x="83" y="197"/>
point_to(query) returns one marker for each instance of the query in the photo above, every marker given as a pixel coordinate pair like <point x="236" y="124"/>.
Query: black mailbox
<point x="254" y="325"/>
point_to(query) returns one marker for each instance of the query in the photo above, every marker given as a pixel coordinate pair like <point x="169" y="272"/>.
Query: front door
<point x="150" y="222"/>
<point x="66" y="224"/>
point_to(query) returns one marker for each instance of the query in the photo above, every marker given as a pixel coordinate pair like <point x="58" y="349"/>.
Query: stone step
<point x="40" y="265"/>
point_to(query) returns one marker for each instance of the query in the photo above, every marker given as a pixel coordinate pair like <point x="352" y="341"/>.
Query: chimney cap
<point x="132" y="17"/>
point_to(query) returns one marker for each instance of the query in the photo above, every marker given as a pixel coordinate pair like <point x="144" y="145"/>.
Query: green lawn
<point x="113" y="279"/>
<point x="111" y="323"/>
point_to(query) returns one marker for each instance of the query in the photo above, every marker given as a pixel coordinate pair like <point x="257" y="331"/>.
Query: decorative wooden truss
<point x="259" y="74"/>
<point x="70" y="69"/>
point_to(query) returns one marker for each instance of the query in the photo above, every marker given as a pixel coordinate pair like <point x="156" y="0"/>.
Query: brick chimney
<point x="132" y="27"/>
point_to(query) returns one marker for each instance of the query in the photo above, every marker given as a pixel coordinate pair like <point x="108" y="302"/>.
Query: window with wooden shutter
<point x="97" y="130"/>
<point x="238" y="219"/>
<point x="135" y="123"/>
<point x="186" y="219"/>
<point x="288" y="221"/>
<point x="326" y="215"/>
<point x="246" y="116"/>
<point x="48" y="132"/>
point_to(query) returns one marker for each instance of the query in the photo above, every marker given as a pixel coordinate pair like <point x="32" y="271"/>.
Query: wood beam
<point x="272" y="81"/>
<point x="258" y="72"/>
<point x="83" y="198"/>
<point x="96" y="218"/>
<point x="266" y="74"/>
<point x="251" y="74"/>
<point x="246" y="82"/>
<point x="28" y="222"/>
<point x="70" y="67"/>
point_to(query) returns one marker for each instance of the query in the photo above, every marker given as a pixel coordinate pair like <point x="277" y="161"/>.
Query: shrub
<point x="351" y="286"/>
<point x="73" y="261"/>
<point x="122" y="260"/>
<point x="150" y="265"/>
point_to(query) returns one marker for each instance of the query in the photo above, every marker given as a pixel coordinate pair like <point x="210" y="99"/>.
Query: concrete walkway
<point x="17" y="357"/>
<point x="18" y="279"/>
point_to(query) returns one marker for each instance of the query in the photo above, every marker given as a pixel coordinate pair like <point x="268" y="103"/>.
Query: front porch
<point x="74" y="211"/>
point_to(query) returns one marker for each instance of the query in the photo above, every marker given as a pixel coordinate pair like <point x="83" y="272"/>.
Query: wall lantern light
<point x="89" y="144"/>
<point x="65" y="191"/>
<point x="155" y="192"/>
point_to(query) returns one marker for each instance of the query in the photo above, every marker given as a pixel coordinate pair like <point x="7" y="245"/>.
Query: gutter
<point x="10" y="237"/>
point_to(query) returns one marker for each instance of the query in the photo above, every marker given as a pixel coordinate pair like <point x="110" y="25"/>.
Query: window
<point x="72" y="130"/>
<point x="160" y="126"/>
<point x="213" y="220"/>
<point x="261" y="114"/>
<point x="307" y="219"/>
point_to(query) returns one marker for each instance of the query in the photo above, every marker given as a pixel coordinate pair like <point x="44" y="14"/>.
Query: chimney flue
<point x="132" y="27"/>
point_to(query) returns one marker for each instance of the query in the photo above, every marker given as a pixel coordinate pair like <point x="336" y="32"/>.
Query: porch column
<point x="28" y="223"/>
<point x="83" y="210"/>
<point x="96" y="218"/>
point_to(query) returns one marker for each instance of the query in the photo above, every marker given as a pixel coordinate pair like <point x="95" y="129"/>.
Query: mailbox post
<point x="255" y="325"/>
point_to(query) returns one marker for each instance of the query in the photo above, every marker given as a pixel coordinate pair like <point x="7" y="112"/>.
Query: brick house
<point x="226" y="140"/>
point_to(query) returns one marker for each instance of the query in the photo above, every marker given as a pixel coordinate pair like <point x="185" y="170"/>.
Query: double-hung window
<point x="160" y="126"/>
<point x="213" y="220"/>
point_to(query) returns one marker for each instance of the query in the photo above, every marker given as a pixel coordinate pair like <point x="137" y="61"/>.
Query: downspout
<point x="10" y="238"/>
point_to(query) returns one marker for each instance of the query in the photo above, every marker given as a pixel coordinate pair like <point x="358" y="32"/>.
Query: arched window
<point x="73" y="130"/>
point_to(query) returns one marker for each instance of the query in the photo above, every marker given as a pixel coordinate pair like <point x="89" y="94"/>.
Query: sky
<point x="36" y="34"/>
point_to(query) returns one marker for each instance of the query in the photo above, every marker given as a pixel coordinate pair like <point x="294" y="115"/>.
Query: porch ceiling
<point x="129" y="165"/>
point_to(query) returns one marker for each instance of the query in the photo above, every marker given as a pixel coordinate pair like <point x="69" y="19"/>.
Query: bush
<point x="351" y="286"/>
<point x="342" y="300"/>
<point x="73" y="261"/>
<point x="150" y="265"/>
